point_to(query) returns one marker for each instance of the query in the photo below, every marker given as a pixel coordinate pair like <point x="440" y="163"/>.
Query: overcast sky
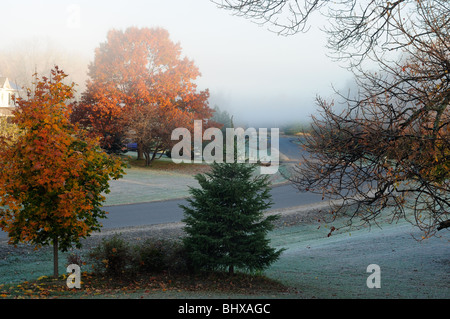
<point x="250" y="71"/>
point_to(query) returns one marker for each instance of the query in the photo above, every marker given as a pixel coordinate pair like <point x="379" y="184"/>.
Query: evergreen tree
<point x="225" y="222"/>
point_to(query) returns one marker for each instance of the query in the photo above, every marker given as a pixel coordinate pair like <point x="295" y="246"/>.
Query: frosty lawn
<point x="336" y="267"/>
<point x="141" y="185"/>
<point x="315" y="265"/>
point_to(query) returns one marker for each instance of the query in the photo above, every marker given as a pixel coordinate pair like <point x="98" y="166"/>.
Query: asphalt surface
<point x="291" y="152"/>
<point x="168" y="211"/>
<point x="283" y="196"/>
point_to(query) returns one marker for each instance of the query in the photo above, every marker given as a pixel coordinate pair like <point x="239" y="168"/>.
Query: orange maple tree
<point x="53" y="176"/>
<point x="140" y="71"/>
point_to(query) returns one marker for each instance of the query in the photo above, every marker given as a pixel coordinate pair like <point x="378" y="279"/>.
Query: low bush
<point x="161" y="255"/>
<point x="115" y="257"/>
<point x="176" y="258"/>
<point x="151" y="256"/>
<point x="75" y="258"/>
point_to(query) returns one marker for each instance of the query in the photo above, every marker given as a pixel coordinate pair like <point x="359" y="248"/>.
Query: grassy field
<point x="336" y="267"/>
<point x="313" y="265"/>
<point x="161" y="181"/>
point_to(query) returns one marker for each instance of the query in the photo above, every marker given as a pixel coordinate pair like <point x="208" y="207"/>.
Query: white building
<point x="7" y="92"/>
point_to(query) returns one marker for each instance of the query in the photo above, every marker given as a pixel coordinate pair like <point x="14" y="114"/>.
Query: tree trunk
<point x="147" y="158"/>
<point x="55" y="258"/>
<point x="140" y="153"/>
<point x="153" y="155"/>
<point x="231" y="270"/>
<point x="444" y="224"/>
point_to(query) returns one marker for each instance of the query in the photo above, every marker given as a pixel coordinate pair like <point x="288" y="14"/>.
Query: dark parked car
<point x="132" y="146"/>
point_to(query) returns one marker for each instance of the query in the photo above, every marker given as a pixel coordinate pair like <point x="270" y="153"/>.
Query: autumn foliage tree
<point x="385" y="151"/>
<point x="8" y="130"/>
<point x="151" y="126"/>
<point x="141" y="87"/>
<point x="53" y="177"/>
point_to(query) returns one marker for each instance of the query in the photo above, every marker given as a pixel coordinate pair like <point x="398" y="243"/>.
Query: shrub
<point x="75" y="258"/>
<point x="115" y="257"/>
<point x="151" y="256"/>
<point x="176" y="257"/>
<point x="162" y="255"/>
<point x="112" y="257"/>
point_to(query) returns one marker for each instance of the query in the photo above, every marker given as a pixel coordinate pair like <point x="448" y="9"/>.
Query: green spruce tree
<point x="225" y="223"/>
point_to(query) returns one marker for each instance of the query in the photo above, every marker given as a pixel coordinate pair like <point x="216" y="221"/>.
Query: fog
<point x="260" y="78"/>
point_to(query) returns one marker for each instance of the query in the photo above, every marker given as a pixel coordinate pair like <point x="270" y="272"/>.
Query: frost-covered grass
<point x="336" y="267"/>
<point x="314" y="265"/>
<point x="144" y="185"/>
<point x="163" y="180"/>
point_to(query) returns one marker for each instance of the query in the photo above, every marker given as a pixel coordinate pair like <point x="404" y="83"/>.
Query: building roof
<point x="3" y="81"/>
<point x="6" y="84"/>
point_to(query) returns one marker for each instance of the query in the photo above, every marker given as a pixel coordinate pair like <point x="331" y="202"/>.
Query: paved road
<point x="284" y="196"/>
<point x="169" y="211"/>
<point x="161" y="212"/>
<point x="291" y="152"/>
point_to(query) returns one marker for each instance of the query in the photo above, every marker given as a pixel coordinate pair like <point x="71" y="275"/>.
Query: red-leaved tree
<point x="135" y="73"/>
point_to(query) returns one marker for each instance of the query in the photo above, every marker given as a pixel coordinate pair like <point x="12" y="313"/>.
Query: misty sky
<point x="251" y="72"/>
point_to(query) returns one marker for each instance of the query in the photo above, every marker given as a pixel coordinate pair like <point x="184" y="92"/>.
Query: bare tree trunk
<point x="444" y="224"/>
<point x="153" y="155"/>
<point x="140" y="153"/>
<point x="55" y="258"/>
<point x="231" y="270"/>
<point x="147" y="158"/>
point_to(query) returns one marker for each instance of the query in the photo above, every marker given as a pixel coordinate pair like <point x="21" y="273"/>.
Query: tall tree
<point x="53" y="176"/>
<point x="138" y="70"/>
<point x="151" y="126"/>
<point x="222" y="117"/>
<point x="389" y="147"/>
<point x="225" y="222"/>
